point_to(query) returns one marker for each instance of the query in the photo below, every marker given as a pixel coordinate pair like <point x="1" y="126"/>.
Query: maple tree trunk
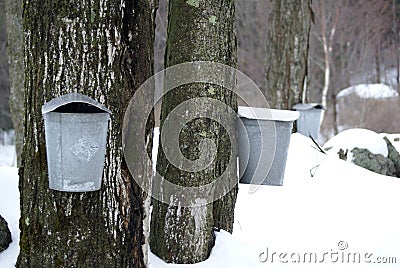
<point x="102" y="49"/>
<point x="197" y="31"/>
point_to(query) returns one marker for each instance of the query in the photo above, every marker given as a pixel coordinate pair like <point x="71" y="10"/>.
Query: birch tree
<point x="327" y="36"/>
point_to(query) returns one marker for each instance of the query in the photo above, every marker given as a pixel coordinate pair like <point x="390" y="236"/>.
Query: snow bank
<point x="228" y="251"/>
<point x="267" y="114"/>
<point x="9" y="209"/>
<point x="324" y="204"/>
<point x="393" y="138"/>
<point x="357" y="137"/>
<point x="369" y="91"/>
<point x="342" y="204"/>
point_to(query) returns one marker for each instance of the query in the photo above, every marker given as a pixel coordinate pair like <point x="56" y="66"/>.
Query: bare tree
<point x="327" y="37"/>
<point x="16" y="66"/>
<point x="360" y="51"/>
<point x="252" y="24"/>
<point x="5" y="118"/>
<point x="287" y="52"/>
<point x="396" y="39"/>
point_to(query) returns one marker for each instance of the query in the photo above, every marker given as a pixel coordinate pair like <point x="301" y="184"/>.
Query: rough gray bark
<point x="16" y="69"/>
<point x="396" y="40"/>
<point x="102" y="49"/>
<point x="5" y="117"/>
<point x="287" y="52"/>
<point x="197" y="31"/>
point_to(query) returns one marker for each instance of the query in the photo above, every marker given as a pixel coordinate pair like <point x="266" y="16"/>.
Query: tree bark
<point x="327" y="43"/>
<point x="16" y="68"/>
<point x="102" y="49"/>
<point x="396" y="42"/>
<point x="287" y="52"/>
<point x="197" y="31"/>
<point x="378" y="64"/>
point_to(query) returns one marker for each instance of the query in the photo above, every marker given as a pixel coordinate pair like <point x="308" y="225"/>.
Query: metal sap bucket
<point x="310" y="118"/>
<point x="263" y="139"/>
<point x="76" y="135"/>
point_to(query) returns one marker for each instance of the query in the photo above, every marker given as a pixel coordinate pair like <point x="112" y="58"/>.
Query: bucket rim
<point x="268" y="114"/>
<point x="71" y="98"/>
<point x="308" y="106"/>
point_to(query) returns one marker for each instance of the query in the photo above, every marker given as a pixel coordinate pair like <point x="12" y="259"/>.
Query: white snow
<point x="7" y="156"/>
<point x="228" y="252"/>
<point x="393" y="138"/>
<point x="369" y="91"/>
<point x="343" y="210"/>
<point x="9" y="210"/>
<point x="360" y="138"/>
<point x="199" y="213"/>
<point x="267" y="114"/>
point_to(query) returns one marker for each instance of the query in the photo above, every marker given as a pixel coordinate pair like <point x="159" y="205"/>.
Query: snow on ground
<point x="369" y="91"/>
<point x="341" y="211"/>
<point x="357" y="137"/>
<point x="393" y="138"/>
<point x="342" y="204"/>
<point x="9" y="209"/>
<point x="228" y="251"/>
<point x="7" y="156"/>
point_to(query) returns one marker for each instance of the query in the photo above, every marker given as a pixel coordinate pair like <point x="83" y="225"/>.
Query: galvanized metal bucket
<point x="76" y="135"/>
<point x="263" y="139"/>
<point x="310" y="118"/>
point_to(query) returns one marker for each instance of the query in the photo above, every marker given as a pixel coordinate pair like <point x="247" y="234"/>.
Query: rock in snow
<point x="373" y="162"/>
<point x="393" y="155"/>
<point x="366" y="149"/>
<point x="357" y="138"/>
<point x="5" y="234"/>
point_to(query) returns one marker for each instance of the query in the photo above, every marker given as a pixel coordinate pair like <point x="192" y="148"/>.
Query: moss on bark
<point x="287" y="52"/>
<point x="102" y="49"/>
<point x="197" y="31"/>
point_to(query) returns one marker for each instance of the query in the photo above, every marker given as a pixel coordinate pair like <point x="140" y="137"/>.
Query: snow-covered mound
<point x="357" y="137"/>
<point x="327" y="208"/>
<point x="9" y="209"/>
<point x="369" y="91"/>
<point x="393" y="138"/>
<point x="228" y="251"/>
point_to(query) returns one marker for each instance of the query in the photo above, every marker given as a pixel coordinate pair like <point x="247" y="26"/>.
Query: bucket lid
<point x="267" y="114"/>
<point x="308" y="106"/>
<point x="71" y="98"/>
